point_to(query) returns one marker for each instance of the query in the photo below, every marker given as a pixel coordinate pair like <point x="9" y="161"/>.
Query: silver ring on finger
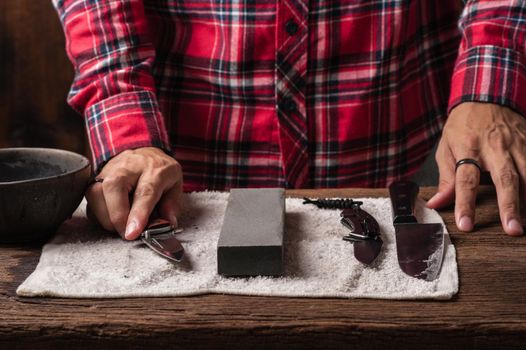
<point x="468" y="161"/>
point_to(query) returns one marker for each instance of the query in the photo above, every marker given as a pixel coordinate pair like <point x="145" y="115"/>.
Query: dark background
<point x="35" y="76"/>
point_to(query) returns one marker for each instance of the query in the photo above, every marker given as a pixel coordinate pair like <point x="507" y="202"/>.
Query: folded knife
<point x="365" y="233"/>
<point x="160" y="237"/>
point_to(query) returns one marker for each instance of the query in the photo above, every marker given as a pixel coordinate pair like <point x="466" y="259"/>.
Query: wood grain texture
<point x="488" y="312"/>
<point x="35" y="76"/>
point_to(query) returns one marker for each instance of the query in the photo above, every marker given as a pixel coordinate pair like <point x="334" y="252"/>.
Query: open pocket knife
<point x="365" y="233"/>
<point x="160" y="237"/>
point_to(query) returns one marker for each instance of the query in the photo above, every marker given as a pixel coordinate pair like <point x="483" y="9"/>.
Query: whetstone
<point x="251" y="238"/>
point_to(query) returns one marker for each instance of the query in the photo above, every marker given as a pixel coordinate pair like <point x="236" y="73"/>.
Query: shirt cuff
<point x="125" y="121"/>
<point x="490" y="74"/>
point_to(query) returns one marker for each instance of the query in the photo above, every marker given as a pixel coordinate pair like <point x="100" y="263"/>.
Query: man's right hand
<point x="134" y="183"/>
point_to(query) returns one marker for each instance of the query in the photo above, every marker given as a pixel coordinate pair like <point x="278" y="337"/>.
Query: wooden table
<point x="488" y="312"/>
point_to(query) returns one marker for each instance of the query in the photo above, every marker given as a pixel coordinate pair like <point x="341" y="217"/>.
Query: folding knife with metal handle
<point x="365" y="233"/>
<point x="160" y="237"/>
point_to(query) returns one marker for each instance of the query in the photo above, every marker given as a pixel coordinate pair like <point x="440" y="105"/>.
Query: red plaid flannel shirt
<point x="288" y="93"/>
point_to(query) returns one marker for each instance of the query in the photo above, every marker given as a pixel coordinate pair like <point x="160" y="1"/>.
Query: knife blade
<point x="419" y="247"/>
<point x="160" y="237"/>
<point x="364" y="233"/>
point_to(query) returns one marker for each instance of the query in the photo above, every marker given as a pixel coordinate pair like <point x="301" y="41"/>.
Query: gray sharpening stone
<point x="251" y="238"/>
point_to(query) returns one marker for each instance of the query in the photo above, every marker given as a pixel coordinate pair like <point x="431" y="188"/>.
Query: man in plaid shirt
<point x="296" y="94"/>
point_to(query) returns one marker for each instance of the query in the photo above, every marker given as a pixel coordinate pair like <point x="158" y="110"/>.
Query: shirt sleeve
<point x="108" y="43"/>
<point x="491" y="64"/>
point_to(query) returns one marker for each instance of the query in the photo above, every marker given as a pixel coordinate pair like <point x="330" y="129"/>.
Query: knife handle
<point x="403" y="197"/>
<point x="156" y="223"/>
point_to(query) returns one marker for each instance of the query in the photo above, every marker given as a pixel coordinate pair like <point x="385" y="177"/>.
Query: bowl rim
<point x="84" y="160"/>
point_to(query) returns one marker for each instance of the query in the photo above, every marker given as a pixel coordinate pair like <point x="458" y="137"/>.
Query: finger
<point x="170" y="205"/>
<point x="147" y="194"/>
<point x="96" y="209"/>
<point x="506" y="180"/>
<point x="117" y="187"/>
<point x="446" y="184"/>
<point x="520" y="162"/>
<point x="467" y="181"/>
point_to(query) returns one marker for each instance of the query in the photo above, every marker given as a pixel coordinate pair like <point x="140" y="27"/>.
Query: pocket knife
<point x="160" y="237"/>
<point x="364" y="233"/>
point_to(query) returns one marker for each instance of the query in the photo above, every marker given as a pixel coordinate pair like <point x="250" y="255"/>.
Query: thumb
<point x="446" y="183"/>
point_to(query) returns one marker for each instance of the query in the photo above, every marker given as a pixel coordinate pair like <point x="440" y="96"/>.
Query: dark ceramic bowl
<point x="39" y="189"/>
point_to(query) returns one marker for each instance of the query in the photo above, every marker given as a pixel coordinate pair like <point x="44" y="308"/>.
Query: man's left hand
<point x="495" y="137"/>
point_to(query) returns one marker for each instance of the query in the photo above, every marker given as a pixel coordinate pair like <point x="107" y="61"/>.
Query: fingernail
<point x="515" y="227"/>
<point x="433" y="198"/>
<point x="465" y="223"/>
<point x="132" y="226"/>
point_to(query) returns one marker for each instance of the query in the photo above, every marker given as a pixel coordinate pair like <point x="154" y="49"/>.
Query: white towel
<point x="82" y="261"/>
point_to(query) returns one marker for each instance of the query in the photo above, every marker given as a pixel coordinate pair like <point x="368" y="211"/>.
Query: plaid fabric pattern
<point x="288" y="93"/>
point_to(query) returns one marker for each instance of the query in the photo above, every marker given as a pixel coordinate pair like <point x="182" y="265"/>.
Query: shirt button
<point x="288" y="104"/>
<point x="291" y="27"/>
